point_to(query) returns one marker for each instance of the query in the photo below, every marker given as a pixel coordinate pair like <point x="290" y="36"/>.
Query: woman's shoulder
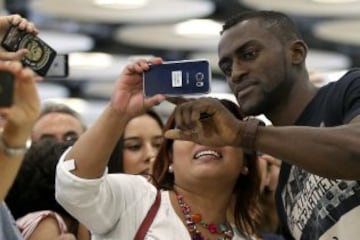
<point x="41" y="223"/>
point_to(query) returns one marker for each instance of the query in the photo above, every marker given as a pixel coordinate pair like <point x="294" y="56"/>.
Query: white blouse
<point x="113" y="206"/>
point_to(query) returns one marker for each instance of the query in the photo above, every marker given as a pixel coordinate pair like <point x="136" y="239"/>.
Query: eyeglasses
<point x="68" y="136"/>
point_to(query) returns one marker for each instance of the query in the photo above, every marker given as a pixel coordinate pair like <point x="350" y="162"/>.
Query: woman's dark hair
<point x="246" y="190"/>
<point x="115" y="164"/>
<point x="34" y="187"/>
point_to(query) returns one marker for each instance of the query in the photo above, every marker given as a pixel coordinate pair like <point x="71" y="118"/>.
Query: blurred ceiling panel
<point x="120" y="11"/>
<point x="309" y="8"/>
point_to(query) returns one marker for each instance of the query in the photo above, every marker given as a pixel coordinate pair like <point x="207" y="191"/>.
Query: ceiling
<point x="109" y="35"/>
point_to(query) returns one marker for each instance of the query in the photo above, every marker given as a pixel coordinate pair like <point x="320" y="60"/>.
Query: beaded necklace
<point x="193" y="219"/>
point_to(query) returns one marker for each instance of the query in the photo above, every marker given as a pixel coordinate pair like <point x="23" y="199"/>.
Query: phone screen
<point x="178" y="78"/>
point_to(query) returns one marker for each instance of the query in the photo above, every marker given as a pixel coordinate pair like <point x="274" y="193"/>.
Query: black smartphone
<point x="40" y="56"/>
<point x="6" y="88"/>
<point x="59" y="67"/>
<point x="177" y="78"/>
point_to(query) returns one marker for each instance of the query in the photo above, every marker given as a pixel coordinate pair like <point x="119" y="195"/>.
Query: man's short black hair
<point x="281" y="25"/>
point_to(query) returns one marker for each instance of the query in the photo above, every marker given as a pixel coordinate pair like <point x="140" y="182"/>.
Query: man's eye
<point x="226" y="69"/>
<point x="249" y="54"/>
<point x="70" y="136"/>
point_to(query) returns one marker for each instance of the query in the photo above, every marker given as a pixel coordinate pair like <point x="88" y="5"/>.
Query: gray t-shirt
<point x="8" y="229"/>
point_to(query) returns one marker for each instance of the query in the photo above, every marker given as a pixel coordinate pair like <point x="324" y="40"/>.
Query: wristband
<point x="10" y="151"/>
<point x="249" y="134"/>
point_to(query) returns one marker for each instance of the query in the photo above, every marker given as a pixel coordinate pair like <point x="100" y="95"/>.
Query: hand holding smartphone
<point x="177" y="78"/>
<point x="40" y="56"/>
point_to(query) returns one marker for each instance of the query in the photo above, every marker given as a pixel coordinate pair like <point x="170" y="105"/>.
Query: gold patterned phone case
<point x="40" y="56"/>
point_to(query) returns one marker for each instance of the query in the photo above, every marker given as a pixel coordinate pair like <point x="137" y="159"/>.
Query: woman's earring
<point x="171" y="170"/>
<point x="245" y="171"/>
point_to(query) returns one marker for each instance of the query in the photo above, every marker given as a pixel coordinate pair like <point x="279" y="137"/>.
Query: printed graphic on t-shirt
<point x="314" y="204"/>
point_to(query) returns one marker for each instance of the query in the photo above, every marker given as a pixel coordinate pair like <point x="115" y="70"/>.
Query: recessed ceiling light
<point x="198" y="28"/>
<point x="90" y="60"/>
<point x="121" y="4"/>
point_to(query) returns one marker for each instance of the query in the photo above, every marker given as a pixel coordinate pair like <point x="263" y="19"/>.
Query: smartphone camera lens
<point x="199" y="76"/>
<point x="199" y="84"/>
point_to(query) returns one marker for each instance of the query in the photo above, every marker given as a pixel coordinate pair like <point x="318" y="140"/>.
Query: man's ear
<point x="298" y="51"/>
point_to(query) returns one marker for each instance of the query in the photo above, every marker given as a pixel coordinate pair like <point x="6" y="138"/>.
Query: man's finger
<point x="177" y="134"/>
<point x="177" y="100"/>
<point x="172" y="134"/>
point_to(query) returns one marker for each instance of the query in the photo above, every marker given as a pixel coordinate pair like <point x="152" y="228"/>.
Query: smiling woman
<point x="187" y="169"/>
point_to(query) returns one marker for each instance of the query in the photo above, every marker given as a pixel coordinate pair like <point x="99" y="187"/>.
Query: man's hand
<point x="205" y="121"/>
